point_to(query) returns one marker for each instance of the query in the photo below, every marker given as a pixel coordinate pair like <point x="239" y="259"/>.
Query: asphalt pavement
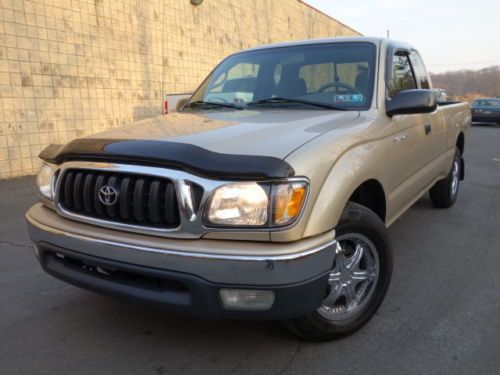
<point x="441" y="314"/>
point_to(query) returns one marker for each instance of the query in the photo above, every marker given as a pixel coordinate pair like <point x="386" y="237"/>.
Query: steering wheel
<point x="220" y="99"/>
<point x="341" y="85"/>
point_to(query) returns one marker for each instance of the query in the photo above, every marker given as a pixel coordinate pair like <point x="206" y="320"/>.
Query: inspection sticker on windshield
<point x="354" y="98"/>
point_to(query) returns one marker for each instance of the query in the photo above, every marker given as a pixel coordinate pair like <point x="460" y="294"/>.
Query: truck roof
<point x="374" y="40"/>
<point x="317" y="41"/>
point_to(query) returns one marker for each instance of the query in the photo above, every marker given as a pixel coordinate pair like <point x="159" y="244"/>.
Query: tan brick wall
<point x="69" y="68"/>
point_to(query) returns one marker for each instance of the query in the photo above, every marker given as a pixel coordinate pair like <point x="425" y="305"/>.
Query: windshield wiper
<point x="201" y="103"/>
<point x="279" y="100"/>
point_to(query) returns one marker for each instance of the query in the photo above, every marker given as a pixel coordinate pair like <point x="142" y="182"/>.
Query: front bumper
<point x="183" y="276"/>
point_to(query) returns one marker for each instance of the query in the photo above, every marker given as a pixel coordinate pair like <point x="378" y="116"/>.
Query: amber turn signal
<point x="287" y="201"/>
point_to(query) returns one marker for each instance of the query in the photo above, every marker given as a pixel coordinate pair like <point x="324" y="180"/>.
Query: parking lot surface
<point x="441" y="314"/>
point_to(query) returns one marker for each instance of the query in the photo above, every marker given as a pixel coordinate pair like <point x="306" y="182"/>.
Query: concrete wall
<point x="69" y="68"/>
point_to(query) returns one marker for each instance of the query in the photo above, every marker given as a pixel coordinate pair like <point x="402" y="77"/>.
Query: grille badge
<point x="108" y="195"/>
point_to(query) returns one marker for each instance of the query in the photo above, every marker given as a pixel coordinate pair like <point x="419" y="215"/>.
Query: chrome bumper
<point x="223" y="262"/>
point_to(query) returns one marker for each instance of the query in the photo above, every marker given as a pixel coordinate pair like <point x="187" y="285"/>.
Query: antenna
<point x="388" y="34"/>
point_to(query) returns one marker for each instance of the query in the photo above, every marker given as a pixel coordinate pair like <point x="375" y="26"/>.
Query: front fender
<point x="335" y="169"/>
<point x="355" y="167"/>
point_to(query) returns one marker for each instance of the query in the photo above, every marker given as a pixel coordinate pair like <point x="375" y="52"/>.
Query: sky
<point x="449" y="34"/>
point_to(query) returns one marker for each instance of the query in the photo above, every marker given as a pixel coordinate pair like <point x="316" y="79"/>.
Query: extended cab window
<point x="339" y="75"/>
<point x="402" y="77"/>
<point x="420" y="71"/>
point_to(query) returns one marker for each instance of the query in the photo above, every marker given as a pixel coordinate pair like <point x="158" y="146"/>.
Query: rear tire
<point x="444" y="193"/>
<point x="364" y="254"/>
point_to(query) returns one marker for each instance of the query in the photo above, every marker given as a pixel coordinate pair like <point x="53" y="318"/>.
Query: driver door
<point x="411" y="150"/>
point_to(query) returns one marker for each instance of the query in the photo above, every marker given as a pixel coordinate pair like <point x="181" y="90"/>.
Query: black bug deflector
<point x="170" y="154"/>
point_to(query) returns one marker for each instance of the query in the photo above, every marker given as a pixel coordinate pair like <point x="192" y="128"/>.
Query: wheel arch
<point x="371" y="195"/>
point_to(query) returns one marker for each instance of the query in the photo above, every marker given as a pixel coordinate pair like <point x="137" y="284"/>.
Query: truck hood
<point x="269" y="132"/>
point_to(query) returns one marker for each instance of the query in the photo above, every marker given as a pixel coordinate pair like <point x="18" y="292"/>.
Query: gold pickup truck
<point x="266" y="196"/>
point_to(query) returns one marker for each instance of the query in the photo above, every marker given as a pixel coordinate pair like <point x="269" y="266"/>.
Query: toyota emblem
<point x="108" y="195"/>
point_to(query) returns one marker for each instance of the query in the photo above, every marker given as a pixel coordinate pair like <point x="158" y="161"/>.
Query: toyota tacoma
<point x="266" y="196"/>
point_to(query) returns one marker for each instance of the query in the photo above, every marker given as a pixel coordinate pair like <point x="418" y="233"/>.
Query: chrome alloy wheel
<point x="455" y="175"/>
<point x="353" y="278"/>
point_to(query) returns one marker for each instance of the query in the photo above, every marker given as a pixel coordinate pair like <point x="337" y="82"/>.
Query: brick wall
<point x="69" y="68"/>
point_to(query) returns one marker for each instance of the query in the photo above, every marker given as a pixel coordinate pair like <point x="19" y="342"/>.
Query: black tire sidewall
<point x="456" y="159"/>
<point x="440" y="194"/>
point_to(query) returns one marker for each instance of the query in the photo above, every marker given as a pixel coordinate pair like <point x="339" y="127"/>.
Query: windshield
<point x="335" y="75"/>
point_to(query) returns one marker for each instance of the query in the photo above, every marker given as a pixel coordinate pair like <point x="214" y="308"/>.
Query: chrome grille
<point x="142" y="200"/>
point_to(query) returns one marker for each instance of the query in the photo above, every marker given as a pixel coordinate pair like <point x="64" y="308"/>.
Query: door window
<point x="402" y="74"/>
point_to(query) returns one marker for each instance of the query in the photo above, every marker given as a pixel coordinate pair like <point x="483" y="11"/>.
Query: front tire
<point x="444" y="193"/>
<point x="359" y="278"/>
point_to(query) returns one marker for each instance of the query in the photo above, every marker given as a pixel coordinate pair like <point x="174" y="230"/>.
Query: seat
<point x="290" y="85"/>
<point x="361" y="82"/>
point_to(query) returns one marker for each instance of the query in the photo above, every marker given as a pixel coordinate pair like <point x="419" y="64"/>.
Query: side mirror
<point x="180" y="103"/>
<point x="411" y="102"/>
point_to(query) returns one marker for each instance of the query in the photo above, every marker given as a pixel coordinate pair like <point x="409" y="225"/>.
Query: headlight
<point x="253" y="204"/>
<point x="239" y="204"/>
<point x="44" y="181"/>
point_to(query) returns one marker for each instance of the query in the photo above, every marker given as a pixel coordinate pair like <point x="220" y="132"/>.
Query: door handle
<point x="428" y="129"/>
